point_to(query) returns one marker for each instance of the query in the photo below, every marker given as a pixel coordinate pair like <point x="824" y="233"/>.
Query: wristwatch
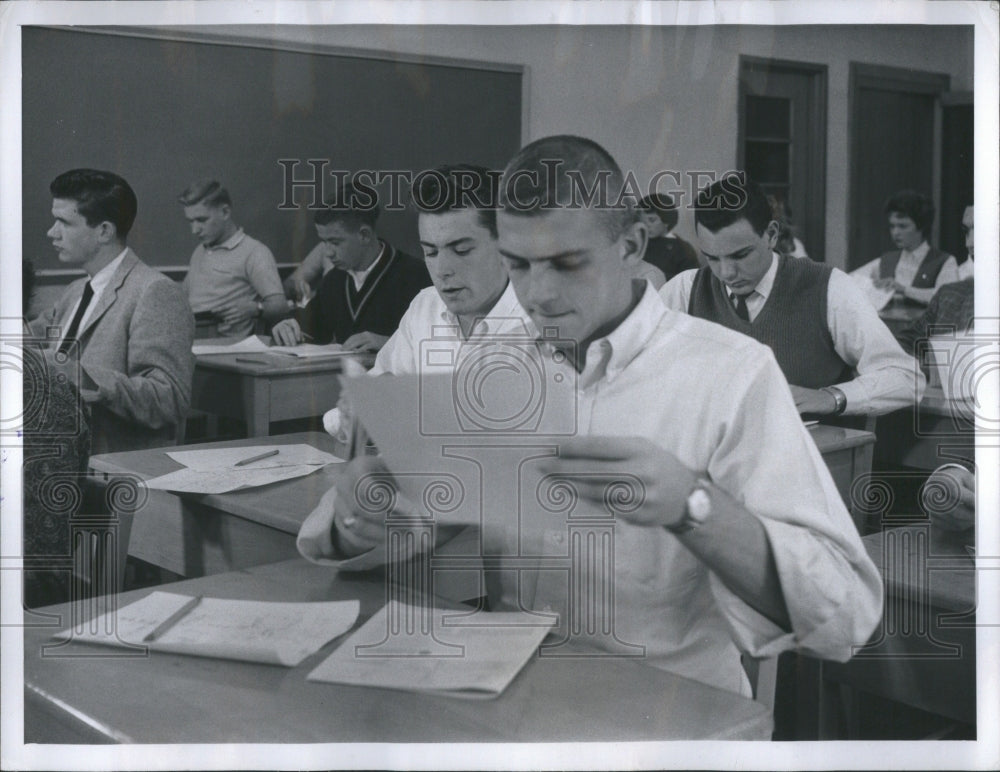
<point x="697" y="508"/>
<point x="260" y="308"/>
<point x="839" y="397"/>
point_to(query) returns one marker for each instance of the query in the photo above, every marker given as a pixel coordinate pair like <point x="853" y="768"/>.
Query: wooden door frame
<point x="898" y="79"/>
<point x="815" y="149"/>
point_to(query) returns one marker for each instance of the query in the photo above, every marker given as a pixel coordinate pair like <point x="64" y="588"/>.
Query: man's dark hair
<point x="99" y="196"/>
<point x="207" y="192"/>
<point x="916" y="206"/>
<point x="663" y="206"/>
<point x="351" y="206"/>
<point x="460" y="186"/>
<point x="731" y="198"/>
<point x="558" y="172"/>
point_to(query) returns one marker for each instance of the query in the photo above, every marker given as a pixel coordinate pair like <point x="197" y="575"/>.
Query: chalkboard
<point x="165" y="112"/>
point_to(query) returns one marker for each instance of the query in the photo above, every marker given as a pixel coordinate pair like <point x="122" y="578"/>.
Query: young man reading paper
<point x="739" y="540"/>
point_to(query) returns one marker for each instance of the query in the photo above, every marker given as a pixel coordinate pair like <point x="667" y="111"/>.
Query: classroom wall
<point x="660" y="97"/>
<point x="666" y="97"/>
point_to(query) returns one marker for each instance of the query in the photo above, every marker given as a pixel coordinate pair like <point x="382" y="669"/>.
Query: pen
<point x="307" y="336"/>
<point x="250" y="460"/>
<point x="172" y="620"/>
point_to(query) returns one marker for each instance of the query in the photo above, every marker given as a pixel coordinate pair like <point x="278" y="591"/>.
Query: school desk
<point x="261" y="387"/>
<point x="164" y="698"/>
<point x="935" y="432"/>
<point x="196" y="535"/>
<point x="923" y="654"/>
<point x="193" y="535"/>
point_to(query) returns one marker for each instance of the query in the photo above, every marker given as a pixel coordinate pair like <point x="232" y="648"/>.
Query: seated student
<point x="741" y="541"/>
<point x="56" y="441"/>
<point x="949" y="498"/>
<point x="471" y="296"/>
<point x="233" y="277"/>
<point x="665" y="250"/>
<point x="914" y="268"/>
<point x="132" y="325"/>
<point x="952" y="309"/>
<point x="360" y="301"/>
<point x="788" y="242"/>
<point x="967" y="269"/>
<point x="837" y="355"/>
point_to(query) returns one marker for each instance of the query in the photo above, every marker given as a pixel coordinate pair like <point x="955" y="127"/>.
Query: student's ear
<point x="771" y="233"/>
<point x="107" y="232"/>
<point x="226" y="211"/>
<point x="633" y="242"/>
<point x="365" y="233"/>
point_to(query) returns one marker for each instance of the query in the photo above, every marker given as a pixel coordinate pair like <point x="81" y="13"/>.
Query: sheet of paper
<point x="458" y="473"/>
<point x="248" y="345"/>
<point x="252" y="631"/>
<point x="222" y="458"/>
<point x="462" y="661"/>
<point x="312" y="350"/>
<point x="226" y="480"/>
<point x="879" y="298"/>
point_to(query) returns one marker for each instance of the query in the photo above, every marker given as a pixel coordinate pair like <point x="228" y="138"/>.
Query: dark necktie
<point x="74" y="326"/>
<point x="741" y="307"/>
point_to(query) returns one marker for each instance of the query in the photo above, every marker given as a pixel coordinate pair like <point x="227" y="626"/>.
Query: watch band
<point x="839" y="398"/>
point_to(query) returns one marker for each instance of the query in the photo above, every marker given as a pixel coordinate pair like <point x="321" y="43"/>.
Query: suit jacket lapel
<point x="110" y="294"/>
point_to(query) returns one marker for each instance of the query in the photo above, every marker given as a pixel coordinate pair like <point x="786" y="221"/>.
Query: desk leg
<point x="257" y="407"/>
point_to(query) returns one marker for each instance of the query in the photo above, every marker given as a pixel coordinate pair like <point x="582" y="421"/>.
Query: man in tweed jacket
<point x="123" y="334"/>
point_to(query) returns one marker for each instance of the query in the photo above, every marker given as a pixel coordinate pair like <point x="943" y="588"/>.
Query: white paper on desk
<point x="465" y="661"/>
<point x="486" y="478"/>
<point x="251" y="631"/>
<point x="298" y="454"/>
<point x="312" y="350"/>
<point x="250" y="344"/>
<point x="879" y="298"/>
<point x="207" y="481"/>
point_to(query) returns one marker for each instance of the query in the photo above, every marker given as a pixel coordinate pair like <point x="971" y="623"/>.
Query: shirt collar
<point x="766" y="283"/>
<point x="610" y="355"/>
<point x="919" y="253"/>
<point x="102" y="278"/>
<point x="229" y="243"/>
<point x="505" y="309"/>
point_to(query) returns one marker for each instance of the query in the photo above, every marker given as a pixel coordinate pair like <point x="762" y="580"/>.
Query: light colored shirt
<point x="239" y="269"/>
<point x="98" y="283"/>
<point x="906" y="272"/>
<point x="887" y="377"/>
<point x="717" y="401"/>
<point x="966" y="270"/>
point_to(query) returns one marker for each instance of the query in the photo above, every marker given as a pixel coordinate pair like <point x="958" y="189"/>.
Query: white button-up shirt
<point x="887" y="377"/>
<point x="906" y="271"/>
<point x="717" y="401"/>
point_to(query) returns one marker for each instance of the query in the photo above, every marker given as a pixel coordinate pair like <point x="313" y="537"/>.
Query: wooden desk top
<point x="832" y="438"/>
<point x="166" y="698"/>
<point x="282" y="505"/>
<point x="270" y="364"/>
<point x="945" y="570"/>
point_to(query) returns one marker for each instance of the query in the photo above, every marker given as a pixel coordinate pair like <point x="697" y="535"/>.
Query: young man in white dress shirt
<point x="738" y="539"/>
<point x="835" y="352"/>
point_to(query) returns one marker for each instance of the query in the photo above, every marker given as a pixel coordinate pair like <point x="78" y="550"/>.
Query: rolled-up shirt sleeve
<point x="831" y="588"/>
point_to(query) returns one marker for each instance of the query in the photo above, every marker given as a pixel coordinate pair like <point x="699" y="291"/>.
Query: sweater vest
<point x="793" y="321"/>
<point x="927" y="273"/>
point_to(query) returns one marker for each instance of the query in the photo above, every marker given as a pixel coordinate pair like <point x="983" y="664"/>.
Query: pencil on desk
<point x="172" y="620"/>
<point x="306" y="336"/>
<point x="250" y="460"/>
